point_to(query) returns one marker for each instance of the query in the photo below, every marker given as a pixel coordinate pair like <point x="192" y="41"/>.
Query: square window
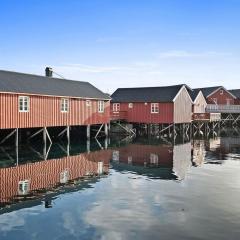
<point x="88" y="103"/>
<point x="130" y="105"/>
<point x="154" y="108"/>
<point x="23" y="103"/>
<point x="116" y="107"/>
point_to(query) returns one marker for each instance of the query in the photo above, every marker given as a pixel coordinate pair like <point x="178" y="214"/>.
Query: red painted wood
<point x="221" y="98"/>
<point x="45" y="111"/>
<point x="141" y="113"/>
<point x="140" y="154"/>
<point x="46" y="174"/>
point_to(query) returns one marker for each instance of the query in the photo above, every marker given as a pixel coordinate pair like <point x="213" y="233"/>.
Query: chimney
<point x="48" y="72"/>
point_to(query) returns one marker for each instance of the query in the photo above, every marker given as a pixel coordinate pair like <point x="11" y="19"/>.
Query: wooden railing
<point x="217" y="108"/>
<point x="120" y="115"/>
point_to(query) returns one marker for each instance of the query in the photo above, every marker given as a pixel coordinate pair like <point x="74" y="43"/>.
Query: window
<point x="64" y="176"/>
<point x="221" y="92"/>
<point x="88" y="103"/>
<point x="101" y="106"/>
<point x="115" y="156"/>
<point x="23" y="187"/>
<point x="129" y="160"/>
<point x="153" y="159"/>
<point x="64" y="105"/>
<point x="116" y="107"/>
<point x="23" y="103"/>
<point x="228" y="101"/>
<point x="154" y="108"/>
<point x="100" y="168"/>
<point x="130" y="105"/>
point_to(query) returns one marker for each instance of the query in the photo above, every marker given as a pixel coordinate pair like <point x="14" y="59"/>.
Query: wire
<point x="59" y="75"/>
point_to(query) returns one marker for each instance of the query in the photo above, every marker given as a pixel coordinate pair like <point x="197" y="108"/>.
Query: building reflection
<point x="154" y="161"/>
<point x="34" y="180"/>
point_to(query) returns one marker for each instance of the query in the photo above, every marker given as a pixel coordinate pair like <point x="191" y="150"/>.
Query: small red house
<point x="152" y="105"/>
<point x="218" y="95"/>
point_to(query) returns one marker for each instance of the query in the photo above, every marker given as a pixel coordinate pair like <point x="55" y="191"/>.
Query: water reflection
<point x="31" y="177"/>
<point x="134" y="189"/>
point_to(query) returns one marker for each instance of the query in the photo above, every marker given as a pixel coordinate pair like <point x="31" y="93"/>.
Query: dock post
<point x="16" y="138"/>
<point x="68" y="134"/>
<point x="106" y="129"/>
<point x="44" y="142"/>
<point x="88" y="131"/>
<point x="88" y="146"/>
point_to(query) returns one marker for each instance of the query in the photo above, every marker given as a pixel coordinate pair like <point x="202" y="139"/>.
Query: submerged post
<point x="88" y="131"/>
<point x="106" y="129"/>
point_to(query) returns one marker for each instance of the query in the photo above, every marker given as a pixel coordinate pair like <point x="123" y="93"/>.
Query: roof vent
<point x="48" y="72"/>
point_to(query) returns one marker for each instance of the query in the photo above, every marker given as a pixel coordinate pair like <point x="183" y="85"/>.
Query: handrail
<point x="223" y="108"/>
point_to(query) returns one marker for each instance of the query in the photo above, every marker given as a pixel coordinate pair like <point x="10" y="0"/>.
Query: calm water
<point x="138" y="189"/>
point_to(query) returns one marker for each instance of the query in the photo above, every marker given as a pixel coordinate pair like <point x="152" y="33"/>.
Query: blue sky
<point x="124" y="43"/>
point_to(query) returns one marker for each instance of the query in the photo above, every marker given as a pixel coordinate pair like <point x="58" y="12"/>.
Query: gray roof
<point x="193" y="94"/>
<point x="35" y="84"/>
<point x="235" y="92"/>
<point x="207" y="90"/>
<point x="147" y="94"/>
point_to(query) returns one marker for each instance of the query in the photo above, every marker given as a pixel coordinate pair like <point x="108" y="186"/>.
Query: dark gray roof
<point x="146" y="94"/>
<point x="35" y="84"/>
<point x="207" y="90"/>
<point x="235" y="92"/>
<point x="193" y="94"/>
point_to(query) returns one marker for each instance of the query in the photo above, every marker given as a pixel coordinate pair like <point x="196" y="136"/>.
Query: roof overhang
<point x="223" y="89"/>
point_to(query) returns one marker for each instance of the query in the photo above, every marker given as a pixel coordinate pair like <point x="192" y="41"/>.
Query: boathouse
<point x="33" y="101"/>
<point x="152" y="105"/>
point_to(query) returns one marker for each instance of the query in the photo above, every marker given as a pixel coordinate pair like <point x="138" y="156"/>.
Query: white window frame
<point x="153" y="159"/>
<point x="23" y="187"/>
<point x="154" y="108"/>
<point x="221" y="92"/>
<point x="88" y="103"/>
<point x="116" y="107"/>
<point x="130" y="105"/>
<point x="64" y="105"/>
<point x="23" y="103"/>
<point x="101" y="106"/>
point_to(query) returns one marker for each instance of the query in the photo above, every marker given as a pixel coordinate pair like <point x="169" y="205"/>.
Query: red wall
<point x="45" y="111"/>
<point x="221" y="98"/>
<point x="141" y="113"/>
<point x="141" y="154"/>
<point x="46" y="174"/>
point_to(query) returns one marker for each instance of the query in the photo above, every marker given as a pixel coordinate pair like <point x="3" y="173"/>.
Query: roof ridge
<point x="42" y="76"/>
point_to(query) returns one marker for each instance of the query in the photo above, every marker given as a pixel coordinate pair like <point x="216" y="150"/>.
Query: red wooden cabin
<point x="31" y="101"/>
<point x="152" y="105"/>
<point x="218" y="95"/>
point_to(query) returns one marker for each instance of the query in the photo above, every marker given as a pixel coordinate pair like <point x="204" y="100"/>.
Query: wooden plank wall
<point x="45" y="111"/>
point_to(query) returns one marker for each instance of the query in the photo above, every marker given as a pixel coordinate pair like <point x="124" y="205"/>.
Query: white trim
<point x="180" y="92"/>
<point x="101" y="106"/>
<point x="200" y="92"/>
<point x="65" y="104"/>
<point x="25" y="99"/>
<point x="58" y="96"/>
<point x="153" y="105"/>
<point x="223" y="89"/>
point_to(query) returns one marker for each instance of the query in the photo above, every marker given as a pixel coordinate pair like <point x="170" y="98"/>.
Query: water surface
<point x="139" y="189"/>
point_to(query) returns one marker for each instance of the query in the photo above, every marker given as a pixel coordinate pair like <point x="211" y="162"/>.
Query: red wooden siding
<point x="46" y="174"/>
<point x="141" y="154"/>
<point x="45" y="111"/>
<point x="141" y="113"/>
<point x="221" y="98"/>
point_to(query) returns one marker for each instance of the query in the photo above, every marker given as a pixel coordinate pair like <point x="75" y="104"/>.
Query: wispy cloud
<point x="187" y="54"/>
